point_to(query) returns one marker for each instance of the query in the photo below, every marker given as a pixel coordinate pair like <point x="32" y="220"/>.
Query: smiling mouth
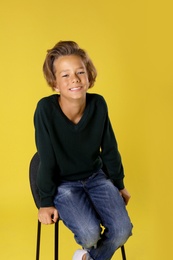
<point x="75" y="89"/>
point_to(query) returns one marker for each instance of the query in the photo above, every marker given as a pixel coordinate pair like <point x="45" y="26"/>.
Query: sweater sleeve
<point x="110" y="155"/>
<point x="46" y="181"/>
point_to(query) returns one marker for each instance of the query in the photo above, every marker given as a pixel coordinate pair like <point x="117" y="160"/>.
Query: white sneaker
<point x="79" y="254"/>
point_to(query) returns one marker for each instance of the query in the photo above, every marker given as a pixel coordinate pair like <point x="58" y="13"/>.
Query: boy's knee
<point x="89" y="237"/>
<point x="120" y="236"/>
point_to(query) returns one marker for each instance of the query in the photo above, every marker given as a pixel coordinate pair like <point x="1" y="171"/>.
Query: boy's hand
<point x="126" y="196"/>
<point x="48" y="215"/>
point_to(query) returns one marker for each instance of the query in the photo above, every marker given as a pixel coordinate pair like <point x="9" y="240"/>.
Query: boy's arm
<point x="46" y="178"/>
<point x="111" y="157"/>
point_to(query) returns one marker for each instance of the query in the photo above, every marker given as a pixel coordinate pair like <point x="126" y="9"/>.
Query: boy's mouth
<point x="75" y="88"/>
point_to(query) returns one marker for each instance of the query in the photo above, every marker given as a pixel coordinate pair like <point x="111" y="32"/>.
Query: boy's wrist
<point x="119" y="184"/>
<point x="47" y="202"/>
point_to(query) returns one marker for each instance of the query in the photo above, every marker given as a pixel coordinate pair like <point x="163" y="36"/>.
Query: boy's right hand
<point x="48" y="215"/>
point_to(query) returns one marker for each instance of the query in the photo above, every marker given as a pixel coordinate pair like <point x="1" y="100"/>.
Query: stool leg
<point x="56" y="239"/>
<point x="38" y="240"/>
<point x="123" y="252"/>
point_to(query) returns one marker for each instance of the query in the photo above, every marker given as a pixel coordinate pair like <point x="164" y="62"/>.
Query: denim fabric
<point x="85" y="205"/>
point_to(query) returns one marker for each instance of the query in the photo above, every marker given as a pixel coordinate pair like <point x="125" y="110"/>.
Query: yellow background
<point x="130" y="43"/>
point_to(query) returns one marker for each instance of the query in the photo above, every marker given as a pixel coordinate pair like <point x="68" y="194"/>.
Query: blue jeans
<point x="85" y="205"/>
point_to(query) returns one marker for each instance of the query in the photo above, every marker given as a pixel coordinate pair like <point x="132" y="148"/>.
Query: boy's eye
<point x="65" y="75"/>
<point x="81" y="72"/>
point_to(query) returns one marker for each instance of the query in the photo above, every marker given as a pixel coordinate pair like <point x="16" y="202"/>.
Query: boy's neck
<point x="73" y="109"/>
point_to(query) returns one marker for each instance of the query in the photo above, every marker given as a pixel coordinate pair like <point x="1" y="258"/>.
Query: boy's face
<point x="71" y="77"/>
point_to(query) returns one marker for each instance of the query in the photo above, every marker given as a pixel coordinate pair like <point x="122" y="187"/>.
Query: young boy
<point x="80" y="175"/>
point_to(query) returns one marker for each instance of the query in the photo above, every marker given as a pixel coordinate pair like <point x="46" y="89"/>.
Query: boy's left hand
<point x="126" y="195"/>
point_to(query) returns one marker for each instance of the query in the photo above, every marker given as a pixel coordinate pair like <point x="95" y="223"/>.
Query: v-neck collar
<point x="70" y="123"/>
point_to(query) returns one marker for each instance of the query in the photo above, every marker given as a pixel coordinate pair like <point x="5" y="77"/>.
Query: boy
<point x="80" y="175"/>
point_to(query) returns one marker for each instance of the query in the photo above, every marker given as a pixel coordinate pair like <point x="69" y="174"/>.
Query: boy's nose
<point x="75" y="79"/>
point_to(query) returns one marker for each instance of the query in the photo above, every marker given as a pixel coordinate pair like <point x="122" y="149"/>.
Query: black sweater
<point x="71" y="151"/>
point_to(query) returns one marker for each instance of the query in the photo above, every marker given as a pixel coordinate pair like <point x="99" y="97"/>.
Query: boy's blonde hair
<point x="64" y="48"/>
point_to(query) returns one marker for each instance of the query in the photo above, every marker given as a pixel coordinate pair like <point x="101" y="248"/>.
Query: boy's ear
<point x="56" y="89"/>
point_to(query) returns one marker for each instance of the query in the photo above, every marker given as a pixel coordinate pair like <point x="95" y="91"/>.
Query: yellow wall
<point x="131" y="45"/>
